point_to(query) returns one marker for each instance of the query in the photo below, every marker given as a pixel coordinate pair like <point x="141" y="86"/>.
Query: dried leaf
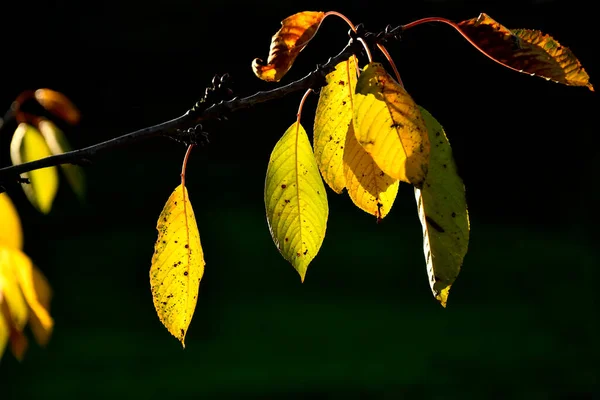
<point x="295" y="199"/>
<point x="177" y="264"/>
<point x="58" y="104"/>
<point x="295" y="33"/>
<point x="389" y="126"/>
<point x="11" y="233"/>
<point x="527" y="51"/>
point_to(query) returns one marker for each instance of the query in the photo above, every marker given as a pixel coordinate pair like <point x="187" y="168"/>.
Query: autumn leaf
<point x="389" y="126"/>
<point x="295" y="199"/>
<point x="28" y="144"/>
<point x="442" y="208"/>
<point x="370" y="189"/>
<point x="177" y="264"/>
<point x="58" y="144"/>
<point x="58" y="104"/>
<point x="527" y="51"/>
<point x="332" y="119"/>
<point x="11" y="233"/>
<point x="14" y="307"/>
<point x="295" y="33"/>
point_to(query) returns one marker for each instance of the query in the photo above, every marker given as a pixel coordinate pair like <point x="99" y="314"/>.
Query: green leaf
<point x="442" y="208"/>
<point x="295" y="199"/>
<point x="28" y="144"/>
<point x="389" y="126"/>
<point x="332" y="120"/>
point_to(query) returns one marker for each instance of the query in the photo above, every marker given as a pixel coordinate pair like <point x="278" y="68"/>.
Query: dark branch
<point x="175" y="127"/>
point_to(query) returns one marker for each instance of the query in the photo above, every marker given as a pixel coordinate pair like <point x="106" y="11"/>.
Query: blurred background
<point x="521" y="320"/>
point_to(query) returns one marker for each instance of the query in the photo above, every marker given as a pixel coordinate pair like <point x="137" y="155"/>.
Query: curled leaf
<point x="527" y="51"/>
<point x="177" y="264"/>
<point x="28" y="144"/>
<point x="389" y="126"/>
<point x="58" y="104"/>
<point x="332" y="119"/>
<point x="442" y="208"/>
<point x="58" y="144"/>
<point x="295" y="33"/>
<point x="295" y="199"/>
<point x="11" y="233"/>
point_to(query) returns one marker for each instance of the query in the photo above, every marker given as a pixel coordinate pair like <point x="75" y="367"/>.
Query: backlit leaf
<point x="58" y="144"/>
<point x="442" y="208"/>
<point x="525" y="50"/>
<point x="177" y="264"/>
<point x="332" y="119"/>
<point x="14" y="307"/>
<point x="58" y="104"/>
<point x="11" y="233"/>
<point x="295" y="33"/>
<point x="28" y="144"/>
<point x="389" y="126"/>
<point x="371" y="189"/>
<point x="295" y="199"/>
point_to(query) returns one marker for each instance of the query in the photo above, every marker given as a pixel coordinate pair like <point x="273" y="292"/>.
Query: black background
<point x="521" y="317"/>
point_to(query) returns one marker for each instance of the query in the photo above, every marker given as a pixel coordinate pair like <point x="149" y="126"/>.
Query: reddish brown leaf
<point x="58" y="104"/>
<point x="527" y="51"/>
<point x="295" y="33"/>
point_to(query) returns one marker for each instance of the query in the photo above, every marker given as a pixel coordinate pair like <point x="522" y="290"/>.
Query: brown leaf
<point x="295" y="33"/>
<point x="58" y="104"/>
<point x="527" y="51"/>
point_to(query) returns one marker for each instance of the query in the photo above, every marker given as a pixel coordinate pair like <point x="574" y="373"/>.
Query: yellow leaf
<point x="525" y="50"/>
<point x="177" y="264"/>
<point x="332" y="119"/>
<point x="442" y="208"/>
<point x="58" y="144"/>
<point x="295" y="199"/>
<point x="295" y="33"/>
<point x="28" y="144"/>
<point x="389" y="126"/>
<point x="13" y="308"/>
<point x="4" y="332"/>
<point x="11" y="233"/>
<point x="58" y="104"/>
<point x="371" y="189"/>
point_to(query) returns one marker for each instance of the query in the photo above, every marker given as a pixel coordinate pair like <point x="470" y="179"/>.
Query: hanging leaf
<point x="527" y="51"/>
<point x="14" y="307"/>
<point x="28" y="144"/>
<point x="58" y="144"/>
<point x="295" y="199"/>
<point x="177" y="264"/>
<point x="389" y="126"/>
<point x="442" y="208"/>
<point x="371" y="189"/>
<point x="58" y="104"/>
<point x="332" y="119"/>
<point x="295" y="33"/>
<point x="11" y="233"/>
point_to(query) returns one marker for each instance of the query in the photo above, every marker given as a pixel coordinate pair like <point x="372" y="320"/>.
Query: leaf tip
<point x="442" y="296"/>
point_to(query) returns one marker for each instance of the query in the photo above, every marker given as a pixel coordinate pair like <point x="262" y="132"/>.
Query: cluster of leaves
<point x="24" y="291"/>
<point x="368" y="136"/>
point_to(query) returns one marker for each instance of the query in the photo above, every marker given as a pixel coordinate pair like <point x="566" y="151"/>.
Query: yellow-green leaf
<point x="371" y="189"/>
<point x="332" y="119"/>
<point x="295" y="199"/>
<point x="442" y="208"/>
<point x="11" y="233"/>
<point x="58" y="144"/>
<point x="177" y="264"/>
<point x="28" y="144"/>
<point x="389" y="126"/>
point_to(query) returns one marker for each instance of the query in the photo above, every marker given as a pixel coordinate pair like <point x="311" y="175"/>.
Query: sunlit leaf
<point x="28" y="144"/>
<point x="389" y="126"/>
<point x="295" y="199"/>
<point x="9" y="330"/>
<point x="295" y="33"/>
<point x="11" y="233"/>
<point x="525" y="50"/>
<point x="58" y="104"/>
<point x="332" y="119"/>
<point x="177" y="264"/>
<point x="371" y="189"/>
<point x="442" y="208"/>
<point x="14" y="307"/>
<point x="58" y="144"/>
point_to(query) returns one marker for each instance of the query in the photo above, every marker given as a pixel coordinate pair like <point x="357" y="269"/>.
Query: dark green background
<point x="521" y="320"/>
